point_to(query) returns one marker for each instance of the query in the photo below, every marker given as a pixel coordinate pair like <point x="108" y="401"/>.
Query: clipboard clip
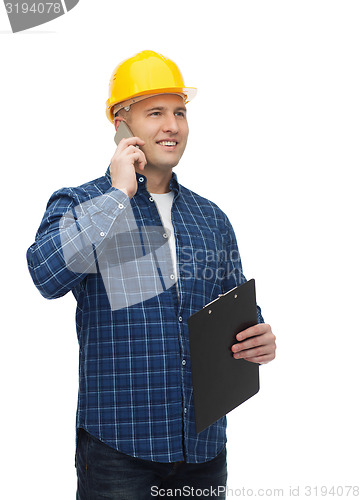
<point x="219" y="296"/>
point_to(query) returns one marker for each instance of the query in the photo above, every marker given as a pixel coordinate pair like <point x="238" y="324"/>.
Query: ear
<point x="117" y="120"/>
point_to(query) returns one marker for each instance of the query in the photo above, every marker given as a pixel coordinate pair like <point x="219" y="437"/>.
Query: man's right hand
<point x="122" y="165"/>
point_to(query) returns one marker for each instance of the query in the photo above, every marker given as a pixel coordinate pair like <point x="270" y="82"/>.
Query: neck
<point x="157" y="181"/>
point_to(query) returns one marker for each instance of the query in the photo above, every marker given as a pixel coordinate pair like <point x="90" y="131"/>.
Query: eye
<point x="180" y="113"/>
<point x="155" y="113"/>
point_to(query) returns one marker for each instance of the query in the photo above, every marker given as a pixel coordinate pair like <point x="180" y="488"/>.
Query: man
<point x="141" y="253"/>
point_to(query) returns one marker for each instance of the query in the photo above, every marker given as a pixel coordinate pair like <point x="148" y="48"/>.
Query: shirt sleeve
<point x="72" y="236"/>
<point x="232" y="265"/>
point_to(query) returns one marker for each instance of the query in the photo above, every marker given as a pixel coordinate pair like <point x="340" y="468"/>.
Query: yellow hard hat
<point x="146" y="73"/>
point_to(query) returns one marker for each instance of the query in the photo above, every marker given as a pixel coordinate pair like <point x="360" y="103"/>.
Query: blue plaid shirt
<point x="135" y="384"/>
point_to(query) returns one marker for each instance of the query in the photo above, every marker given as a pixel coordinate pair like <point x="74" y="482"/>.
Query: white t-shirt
<point x="164" y="203"/>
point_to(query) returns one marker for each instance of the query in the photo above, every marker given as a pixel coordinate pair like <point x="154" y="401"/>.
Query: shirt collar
<point x="142" y="181"/>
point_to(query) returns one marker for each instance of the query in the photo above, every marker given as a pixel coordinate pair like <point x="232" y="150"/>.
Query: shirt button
<point x="141" y="179"/>
<point x="102" y="234"/>
<point x="185" y="410"/>
<point x="172" y="276"/>
<point x="150" y="198"/>
<point x="165" y="235"/>
<point x="180" y="318"/>
<point x="184" y="362"/>
<point x="120" y="205"/>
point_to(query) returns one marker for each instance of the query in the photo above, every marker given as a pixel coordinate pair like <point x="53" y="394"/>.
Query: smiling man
<point x="129" y="246"/>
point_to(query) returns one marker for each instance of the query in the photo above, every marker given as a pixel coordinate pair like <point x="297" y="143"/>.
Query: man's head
<point x="148" y="93"/>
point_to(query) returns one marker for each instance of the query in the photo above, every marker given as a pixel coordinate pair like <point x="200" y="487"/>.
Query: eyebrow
<point x="162" y="108"/>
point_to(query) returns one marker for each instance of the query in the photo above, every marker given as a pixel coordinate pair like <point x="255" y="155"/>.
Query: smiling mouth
<point x="167" y="143"/>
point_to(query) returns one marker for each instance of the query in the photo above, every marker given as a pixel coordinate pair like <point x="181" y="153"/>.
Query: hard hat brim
<point x="189" y="93"/>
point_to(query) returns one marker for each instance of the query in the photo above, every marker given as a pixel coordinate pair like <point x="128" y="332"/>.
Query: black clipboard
<point x="220" y="382"/>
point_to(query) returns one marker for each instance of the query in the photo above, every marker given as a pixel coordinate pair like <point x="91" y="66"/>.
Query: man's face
<point x="161" y="122"/>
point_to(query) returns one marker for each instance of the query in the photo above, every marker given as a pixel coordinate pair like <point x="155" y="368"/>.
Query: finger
<point x="130" y="141"/>
<point x="261" y="359"/>
<point x="129" y="151"/>
<point x="252" y="353"/>
<point x="138" y="156"/>
<point x="265" y="339"/>
<point x="259" y="329"/>
<point x="120" y="153"/>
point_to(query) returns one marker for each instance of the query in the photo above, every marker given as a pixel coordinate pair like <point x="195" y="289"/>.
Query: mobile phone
<point x="123" y="132"/>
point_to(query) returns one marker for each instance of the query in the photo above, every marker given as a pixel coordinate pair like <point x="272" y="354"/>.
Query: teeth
<point x="167" y="143"/>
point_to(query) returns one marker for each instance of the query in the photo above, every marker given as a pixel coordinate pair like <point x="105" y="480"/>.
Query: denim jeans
<point x="105" y="473"/>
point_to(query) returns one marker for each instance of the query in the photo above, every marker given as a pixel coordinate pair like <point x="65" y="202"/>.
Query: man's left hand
<point x="256" y="344"/>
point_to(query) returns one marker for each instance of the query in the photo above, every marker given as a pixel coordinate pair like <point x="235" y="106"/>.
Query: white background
<point x="274" y="141"/>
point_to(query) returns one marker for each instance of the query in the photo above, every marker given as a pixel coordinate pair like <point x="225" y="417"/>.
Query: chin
<point x="167" y="166"/>
<point x="162" y="163"/>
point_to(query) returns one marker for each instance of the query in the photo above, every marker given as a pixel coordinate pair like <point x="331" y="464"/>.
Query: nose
<point x="170" y="124"/>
